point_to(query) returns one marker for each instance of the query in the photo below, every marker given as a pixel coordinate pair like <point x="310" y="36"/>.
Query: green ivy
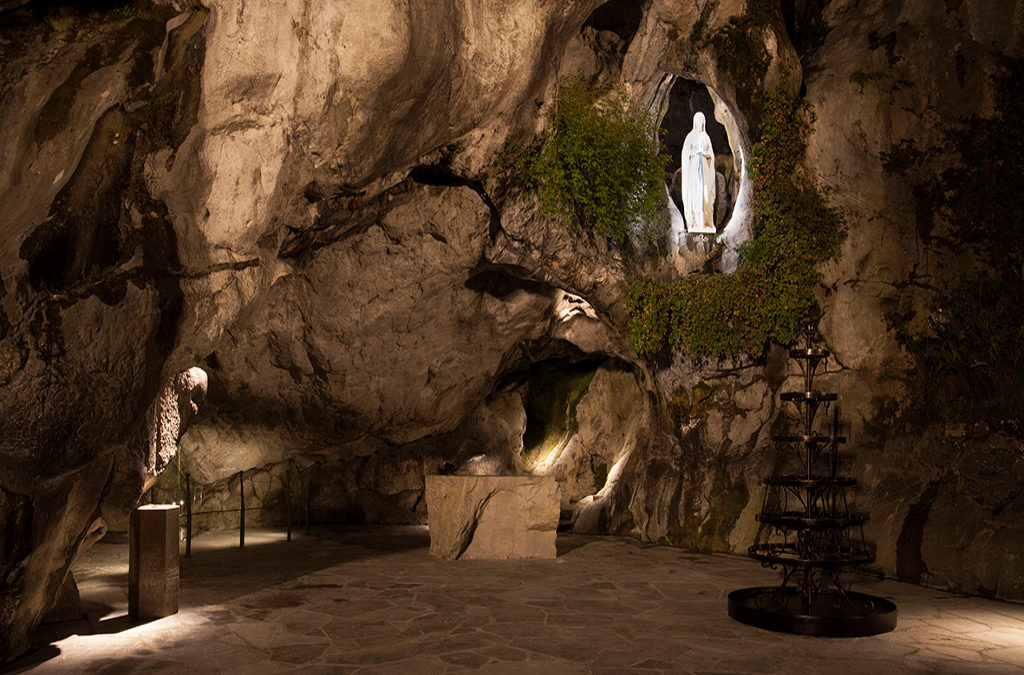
<point x="599" y="167"/>
<point x="971" y="368"/>
<point x="968" y="365"/>
<point x="137" y="10"/>
<point x="773" y="288"/>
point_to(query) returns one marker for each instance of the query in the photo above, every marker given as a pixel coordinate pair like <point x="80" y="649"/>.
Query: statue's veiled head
<point x="698" y="121"/>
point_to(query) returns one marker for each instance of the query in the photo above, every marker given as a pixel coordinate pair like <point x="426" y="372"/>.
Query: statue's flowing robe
<point x="698" y="178"/>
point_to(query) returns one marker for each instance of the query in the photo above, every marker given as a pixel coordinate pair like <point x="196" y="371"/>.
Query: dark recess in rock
<point x="212" y="362"/>
<point x="909" y="565"/>
<point x="5" y="322"/>
<point x="924" y="216"/>
<point x="551" y="388"/>
<point x="316" y="191"/>
<point x="79" y="5"/>
<point x="53" y="117"/>
<point x="15" y="517"/>
<point x="438" y="175"/>
<point x="619" y="16"/>
<point x="805" y="24"/>
<point x="961" y="69"/>
<point x="501" y="281"/>
<point x="776" y="365"/>
<point x="889" y="41"/>
<point x="174" y="103"/>
<point x="81" y="236"/>
<point x="527" y="353"/>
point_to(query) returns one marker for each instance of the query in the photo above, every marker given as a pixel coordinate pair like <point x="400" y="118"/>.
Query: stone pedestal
<point x="496" y="517"/>
<point x="153" y="562"/>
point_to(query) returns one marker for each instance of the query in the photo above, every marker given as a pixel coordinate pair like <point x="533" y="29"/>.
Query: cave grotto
<point x="440" y="335"/>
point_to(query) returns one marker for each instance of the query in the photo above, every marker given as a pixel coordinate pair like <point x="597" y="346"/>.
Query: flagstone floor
<point x="371" y="600"/>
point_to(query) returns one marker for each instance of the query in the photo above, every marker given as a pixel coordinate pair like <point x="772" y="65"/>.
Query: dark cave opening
<point x="622" y="17"/>
<point x="500" y="281"/>
<point x="82" y="235"/>
<point x="805" y="24"/>
<point x="550" y="393"/>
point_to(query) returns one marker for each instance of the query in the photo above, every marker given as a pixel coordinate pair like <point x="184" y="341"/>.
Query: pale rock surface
<point x="866" y="98"/>
<point x="611" y="418"/>
<point x="336" y="97"/>
<point x="492" y="517"/>
<point x="492" y="437"/>
<point x="174" y="408"/>
<point x="379" y="337"/>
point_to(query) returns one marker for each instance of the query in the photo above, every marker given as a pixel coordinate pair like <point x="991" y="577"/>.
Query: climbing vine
<point x="773" y="288"/>
<point x="599" y="166"/>
<point x="966" y="359"/>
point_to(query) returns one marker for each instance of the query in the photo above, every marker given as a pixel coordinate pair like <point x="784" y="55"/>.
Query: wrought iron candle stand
<point x="806" y="524"/>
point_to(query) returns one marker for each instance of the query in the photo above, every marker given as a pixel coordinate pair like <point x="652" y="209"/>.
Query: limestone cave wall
<point x="279" y="238"/>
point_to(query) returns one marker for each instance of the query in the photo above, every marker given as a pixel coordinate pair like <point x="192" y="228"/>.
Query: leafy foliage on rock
<point x="968" y="365"/>
<point x="793" y="231"/>
<point x="599" y="167"/>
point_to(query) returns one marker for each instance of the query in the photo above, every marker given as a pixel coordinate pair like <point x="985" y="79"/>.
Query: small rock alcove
<point x="551" y="395"/>
<point x="621" y="17"/>
<point x="684" y="98"/>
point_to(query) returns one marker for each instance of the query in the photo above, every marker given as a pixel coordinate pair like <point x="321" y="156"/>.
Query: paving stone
<point x="503" y="653"/>
<point x="298" y="653"/>
<point x="372" y="600"/>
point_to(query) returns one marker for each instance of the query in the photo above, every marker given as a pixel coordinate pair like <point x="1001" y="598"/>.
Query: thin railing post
<point x="288" y="499"/>
<point x="241" y="511"/>
<point x="188" y="516"/>
<point x="305" y="493"/>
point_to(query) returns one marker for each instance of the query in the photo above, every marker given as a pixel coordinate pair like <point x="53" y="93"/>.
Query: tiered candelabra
<point x="808" y="530"/>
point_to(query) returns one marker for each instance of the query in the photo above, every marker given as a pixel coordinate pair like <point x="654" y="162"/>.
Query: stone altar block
<point x="153" y="561"/>
<point x="495" y="517"/>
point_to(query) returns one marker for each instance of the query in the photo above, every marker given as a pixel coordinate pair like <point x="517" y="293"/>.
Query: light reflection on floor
<point x="373" y="600"/>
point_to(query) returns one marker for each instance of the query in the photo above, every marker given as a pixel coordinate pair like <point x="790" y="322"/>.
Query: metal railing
<point x="187" y="516"/>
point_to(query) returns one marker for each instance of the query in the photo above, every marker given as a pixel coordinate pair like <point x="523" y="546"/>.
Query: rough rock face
<point x="307" y="204"/>
<point x="875" y="76"/>
<point x="933" y="519"/>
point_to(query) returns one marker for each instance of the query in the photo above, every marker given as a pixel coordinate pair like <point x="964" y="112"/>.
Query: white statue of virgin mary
<point x="698" y="179"/>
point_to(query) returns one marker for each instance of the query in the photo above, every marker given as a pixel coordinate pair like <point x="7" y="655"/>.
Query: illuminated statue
<point x="698" y="179"/>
